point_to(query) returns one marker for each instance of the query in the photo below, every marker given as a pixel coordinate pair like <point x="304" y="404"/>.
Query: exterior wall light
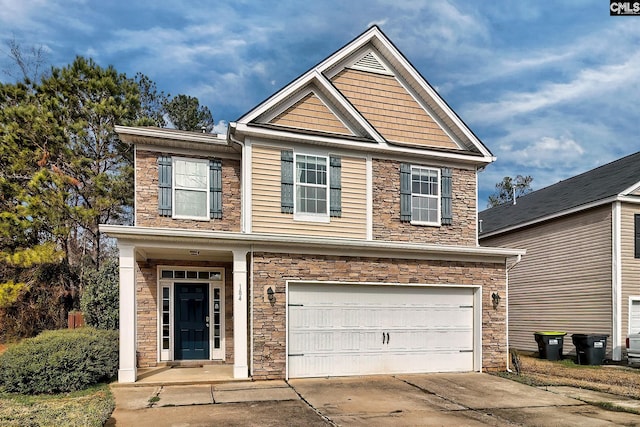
<point x="271" y="295"/>
<point x="495" y="298"/>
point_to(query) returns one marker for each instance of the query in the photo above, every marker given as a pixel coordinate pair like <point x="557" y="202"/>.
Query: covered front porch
<point x="183" y="308"/>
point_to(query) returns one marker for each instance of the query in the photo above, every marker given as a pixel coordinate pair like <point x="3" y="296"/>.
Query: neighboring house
<point x="332" y="231"/>
<point x="581" y="273"/>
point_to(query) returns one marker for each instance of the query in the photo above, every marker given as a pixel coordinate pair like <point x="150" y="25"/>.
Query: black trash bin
<point x="590" y="348"/>
<point x="550" y="344"/>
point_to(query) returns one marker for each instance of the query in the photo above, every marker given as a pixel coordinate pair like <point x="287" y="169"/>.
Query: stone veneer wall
<point x="386" y="209"/>
<point x="147" y="308"/>
<point x="269" y="328"/>
<point x="147" y="197"/>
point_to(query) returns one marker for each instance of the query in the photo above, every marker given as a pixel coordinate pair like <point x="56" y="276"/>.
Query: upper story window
<point x="425" y="195"/>
<point x="310" y="186"/>
<point x="189" y="188"/>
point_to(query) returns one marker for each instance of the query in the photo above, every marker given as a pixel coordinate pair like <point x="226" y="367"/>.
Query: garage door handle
<point x="387" y="338"/>
<point x="466" y="351"/>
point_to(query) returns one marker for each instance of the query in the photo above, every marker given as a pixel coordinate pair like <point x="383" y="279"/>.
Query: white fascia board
<point x="170" y="134"/>
<point x="629" y="199"/>
<point x="383" y="44"/>
<point x="371" y="147"/>
<point x="296" y="91"/>
<point x="346" y="105"/>
<point x="554" y="216"/>
<point x="349" y="49"/>
<point x="146" y="235"/>
<point x="631" y="189"/>
<point x="278" y="97"/>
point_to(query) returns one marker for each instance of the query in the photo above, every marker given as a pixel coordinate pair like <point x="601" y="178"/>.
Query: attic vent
<point x="370" y="63"/>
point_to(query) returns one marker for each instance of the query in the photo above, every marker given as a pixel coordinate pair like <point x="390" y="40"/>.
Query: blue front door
<point x="191" y="321"/>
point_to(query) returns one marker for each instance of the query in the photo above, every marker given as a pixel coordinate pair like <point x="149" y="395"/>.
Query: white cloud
<point x="546" y="152"/>
<point x="221" y="127"/>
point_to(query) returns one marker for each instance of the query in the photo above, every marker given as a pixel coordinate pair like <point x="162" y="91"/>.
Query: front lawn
<point x="90" y="407"/>
<point x="619" y="380"/>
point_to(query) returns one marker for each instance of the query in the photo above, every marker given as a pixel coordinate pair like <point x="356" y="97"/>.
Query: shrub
<point x="60" y="361"/>
<point x="99" y="301"/>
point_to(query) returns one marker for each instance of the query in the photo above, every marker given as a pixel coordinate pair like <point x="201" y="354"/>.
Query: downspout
<point x="506" y="321"/>
<point x="616" y="282"/>
<point x="243" y="180"/>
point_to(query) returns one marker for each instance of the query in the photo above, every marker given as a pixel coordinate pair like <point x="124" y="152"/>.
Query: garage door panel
<point x="362" y="329"/>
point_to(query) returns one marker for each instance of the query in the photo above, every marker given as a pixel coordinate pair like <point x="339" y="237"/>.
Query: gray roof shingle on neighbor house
<point x="597" y="184"/>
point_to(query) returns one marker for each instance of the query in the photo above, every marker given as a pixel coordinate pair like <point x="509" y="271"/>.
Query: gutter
<point x="268" y="242"/>
<point x="506" y="322"/>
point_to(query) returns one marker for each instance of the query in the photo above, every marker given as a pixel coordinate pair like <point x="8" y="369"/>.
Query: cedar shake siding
<point x="630" y="264"/>
<point x="386" y="209"/>
<point x="383" y="101"/>
<point x="311" y="113"/>
<point x="266" y="215"/>
<point x="146" y="204"/>
<point x="147" y="308"/>
<point x="274" y="269"/>
<point x="563" y="283"/>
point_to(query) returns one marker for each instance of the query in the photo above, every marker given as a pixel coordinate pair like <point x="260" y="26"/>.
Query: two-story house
<point x="331" y="232"/>
<point x="582" y="269"/>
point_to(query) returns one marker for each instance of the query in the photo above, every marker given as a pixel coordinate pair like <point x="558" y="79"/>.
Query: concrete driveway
<point x="470" y="399"/>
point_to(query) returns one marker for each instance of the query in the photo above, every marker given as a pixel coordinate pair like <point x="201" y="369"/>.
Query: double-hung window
<point x="311" y="185"/>
<point x="425" y="195"/>
<point x="191" y="188"/>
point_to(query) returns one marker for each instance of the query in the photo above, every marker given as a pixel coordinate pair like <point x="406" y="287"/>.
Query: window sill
<point x="192" y="218"/>
<point x="426" y="224"/>
<point x="324" y="219"/>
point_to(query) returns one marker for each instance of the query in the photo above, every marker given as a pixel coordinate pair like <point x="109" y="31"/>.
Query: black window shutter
<point x="164" y="185"/>
<point x="215" y="188"/>
<point x="335" y="184"/>
<point x="445" y="196"/>
<point x="286" y="181"/>
<point x="405" y="192"/>
<point x="636" y="231"/>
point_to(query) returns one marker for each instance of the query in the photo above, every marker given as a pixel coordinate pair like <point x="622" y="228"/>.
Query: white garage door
<point x="337" y="330"/>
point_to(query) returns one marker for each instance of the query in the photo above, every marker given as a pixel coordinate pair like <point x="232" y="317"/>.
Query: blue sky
<point x="551" y="87"/>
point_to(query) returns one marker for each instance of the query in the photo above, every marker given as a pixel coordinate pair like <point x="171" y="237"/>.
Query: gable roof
<point x="369" y="63"/>
<point x="598" y="186"/>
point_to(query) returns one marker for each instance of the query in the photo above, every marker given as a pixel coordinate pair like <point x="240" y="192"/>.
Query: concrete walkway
<point x="431" y="399"/>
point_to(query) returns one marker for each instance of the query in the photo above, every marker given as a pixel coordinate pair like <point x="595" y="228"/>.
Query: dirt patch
<point x="2" y="348"/>
<point x="620" y="380"/>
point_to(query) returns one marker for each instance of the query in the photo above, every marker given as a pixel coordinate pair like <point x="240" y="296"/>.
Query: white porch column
<point x="127" y="369"/>
<point x="240" y="332"/>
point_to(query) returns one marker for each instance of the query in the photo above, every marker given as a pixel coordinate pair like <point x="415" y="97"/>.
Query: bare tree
<point x="25" y="63"/>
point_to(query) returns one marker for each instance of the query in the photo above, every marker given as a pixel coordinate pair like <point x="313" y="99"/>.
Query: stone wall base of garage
<point x="275" y="269"/>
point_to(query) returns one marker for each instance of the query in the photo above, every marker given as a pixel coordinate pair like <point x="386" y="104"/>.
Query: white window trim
<point x="437" y="223"/>
<point x="307" y="216"/>
<point x="175" y="187"/>
<point x="632" y="298"/>
<point x="168" y="355"/>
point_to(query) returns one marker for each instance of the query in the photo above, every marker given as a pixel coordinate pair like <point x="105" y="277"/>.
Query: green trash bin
<point x="550" y="344"/>
<point x="590" y="348"/>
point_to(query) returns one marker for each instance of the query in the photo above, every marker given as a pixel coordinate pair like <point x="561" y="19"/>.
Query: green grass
<point x="90" y="407"/>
